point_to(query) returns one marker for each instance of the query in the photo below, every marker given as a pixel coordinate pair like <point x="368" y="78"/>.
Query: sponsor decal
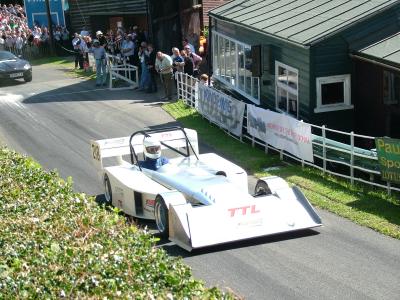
<point x="150" y="202"/>
<point x="242" y="211"/>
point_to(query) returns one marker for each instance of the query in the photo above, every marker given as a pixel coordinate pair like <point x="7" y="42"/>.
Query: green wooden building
<point x="301" y="57"/>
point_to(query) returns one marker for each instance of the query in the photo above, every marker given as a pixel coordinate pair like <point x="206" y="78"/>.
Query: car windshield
<point x="5" y="55"/>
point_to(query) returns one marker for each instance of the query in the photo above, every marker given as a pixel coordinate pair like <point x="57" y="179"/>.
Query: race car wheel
<point x="262" y="189"/>
<point x="161" y="216"/>
<point x="107" y="189"/>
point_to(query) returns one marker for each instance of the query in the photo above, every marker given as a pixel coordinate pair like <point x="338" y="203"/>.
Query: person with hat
<point x="102" y="39"/>
<point x="101" y="66"/>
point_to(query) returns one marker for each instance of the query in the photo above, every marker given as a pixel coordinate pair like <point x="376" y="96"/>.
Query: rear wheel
<point x="161" y="216"/>
<point x="107" y="189"/>
<point x="262" y="189"/>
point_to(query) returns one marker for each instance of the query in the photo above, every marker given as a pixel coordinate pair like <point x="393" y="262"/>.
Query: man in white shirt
<point x="163" y="66"/>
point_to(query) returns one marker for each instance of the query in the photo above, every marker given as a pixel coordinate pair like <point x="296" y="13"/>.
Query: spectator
<point x="144" y="71"/>
<point x="128" y="48"/>
<point x="163" y="66"/>
<point x="177" y="60"/>
<point x="102" y="39"/>
<point x="76" y="44"/>
<point x="187" y="63"/>
<point x="196" y="60"/>
<point x="185" y="43"/>
<point x="150" y="62"/>
<point x="100" y="56"/>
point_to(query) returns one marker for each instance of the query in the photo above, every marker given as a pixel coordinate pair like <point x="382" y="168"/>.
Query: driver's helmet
<point x="151" y="147"/>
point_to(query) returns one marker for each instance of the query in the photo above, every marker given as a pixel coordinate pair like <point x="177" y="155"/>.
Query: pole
<point x="50" y="27"/>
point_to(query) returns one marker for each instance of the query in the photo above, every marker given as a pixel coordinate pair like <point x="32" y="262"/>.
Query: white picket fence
<point x="118" y="68"/>
<point x="337" y="158"/>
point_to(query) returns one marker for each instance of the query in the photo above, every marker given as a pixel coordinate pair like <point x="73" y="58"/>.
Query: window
<point x="333" y="93"/>
<point x="391" y="88"/>
<point x="286" y="84"/>
<point x="232" y="65"/>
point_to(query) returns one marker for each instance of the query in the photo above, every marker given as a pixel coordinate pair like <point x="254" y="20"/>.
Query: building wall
<point x="80" y="11"/>
<point x="332" y="57"/>
<point x="209" y="5"/>
<point x="290" y="54"/>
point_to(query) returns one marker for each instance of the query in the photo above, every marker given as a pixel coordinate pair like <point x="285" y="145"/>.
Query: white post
<point x="323" y="149"/>
<point x="389" y="190"/>
<point x="352" y="157"/>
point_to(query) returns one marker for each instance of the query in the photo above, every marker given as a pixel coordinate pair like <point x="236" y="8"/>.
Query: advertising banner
<point x="37" y="15"/>
<point x="388" y="151"/>
<point x="221" y="109"/>
<point x="280" y="131"/>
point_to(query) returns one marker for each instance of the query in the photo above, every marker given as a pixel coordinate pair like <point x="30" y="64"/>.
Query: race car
<point x="196" y="200"/>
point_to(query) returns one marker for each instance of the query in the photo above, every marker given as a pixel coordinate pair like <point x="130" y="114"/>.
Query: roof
<point x="300" y="21"/>
<point x="387" y="50"/>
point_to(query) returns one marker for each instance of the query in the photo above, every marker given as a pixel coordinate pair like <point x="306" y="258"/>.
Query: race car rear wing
<point x="117" y="147"/>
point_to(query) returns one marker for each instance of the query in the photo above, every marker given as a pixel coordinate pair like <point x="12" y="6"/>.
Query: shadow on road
<point x="174" y="250"/>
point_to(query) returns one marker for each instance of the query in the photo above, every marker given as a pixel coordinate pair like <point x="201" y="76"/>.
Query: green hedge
<point x="56" y="243"/>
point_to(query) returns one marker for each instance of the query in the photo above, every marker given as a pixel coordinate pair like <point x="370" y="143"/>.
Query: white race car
<point x="197" y="200"/>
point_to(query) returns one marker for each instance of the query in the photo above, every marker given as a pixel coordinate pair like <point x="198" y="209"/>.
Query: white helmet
<point x="151" y="147"/>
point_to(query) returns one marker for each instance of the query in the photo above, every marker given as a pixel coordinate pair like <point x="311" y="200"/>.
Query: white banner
<point x="221" y="109"/>
<point x="280" y="131"/>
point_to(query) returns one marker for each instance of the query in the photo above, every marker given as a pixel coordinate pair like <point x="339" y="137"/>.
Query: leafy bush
<point x="56" y="243"/>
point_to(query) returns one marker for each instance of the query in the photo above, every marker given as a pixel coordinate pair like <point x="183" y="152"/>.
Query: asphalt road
<point x="54" y="117"/>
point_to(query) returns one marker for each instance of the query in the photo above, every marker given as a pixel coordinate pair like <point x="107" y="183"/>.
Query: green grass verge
<point x="59" y="244"/>
<point x="67" y="64"/>
<point x="361" y="204"/>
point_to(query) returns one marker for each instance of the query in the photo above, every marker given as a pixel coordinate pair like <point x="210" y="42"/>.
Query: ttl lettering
<point x="243" y="210"/>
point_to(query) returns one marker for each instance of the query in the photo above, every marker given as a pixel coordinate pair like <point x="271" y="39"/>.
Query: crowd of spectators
<point x="132" y="46"/>
<point x="15" y="33"/>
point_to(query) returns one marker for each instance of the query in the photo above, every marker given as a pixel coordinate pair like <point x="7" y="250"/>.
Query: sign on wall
<point x="280" y="131"/>
<point x="388" y="150"/>
<point x="37" y="15"/>
<point x="221" y="109"/>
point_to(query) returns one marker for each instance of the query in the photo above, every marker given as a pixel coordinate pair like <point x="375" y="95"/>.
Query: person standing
<point x="164" y="68"/>
<point x="76" y="43"/>
<point x="128" y="51"/>
<point x="150" y="62"/>
<point x="196" y="60"/>
<point x="144" y="71"/>
<point x="101" y="67"/>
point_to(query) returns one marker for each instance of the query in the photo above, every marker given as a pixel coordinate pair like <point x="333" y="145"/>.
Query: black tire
<point x="262" y="189"/>
<point x="28" y="78"/>
<point x="107" y="190"/>
<point x="161" y="216"/>
<point x="221" y="173"/>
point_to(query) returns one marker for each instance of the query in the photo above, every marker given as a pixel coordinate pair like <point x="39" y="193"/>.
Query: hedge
<point x="57" y="243"/>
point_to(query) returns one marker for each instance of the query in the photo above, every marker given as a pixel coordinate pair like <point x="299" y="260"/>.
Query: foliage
<point x="361" y="204"/>
<point x="56" y="243"/>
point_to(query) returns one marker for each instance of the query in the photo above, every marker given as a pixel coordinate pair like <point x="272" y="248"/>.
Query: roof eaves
<point x="305" y="46"/>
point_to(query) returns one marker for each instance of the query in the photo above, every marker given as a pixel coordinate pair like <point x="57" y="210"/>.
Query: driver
<point x="152" y="152"/>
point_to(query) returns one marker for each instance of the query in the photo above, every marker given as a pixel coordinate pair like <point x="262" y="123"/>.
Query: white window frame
<point x="346" y="80"/>
<point x="220" y="77"/>
<point x="287" y="88"/>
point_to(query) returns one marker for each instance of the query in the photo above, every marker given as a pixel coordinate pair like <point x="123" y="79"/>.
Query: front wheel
<point x="28" y="78"/>
<point x="107" y="189"/>
<point x="161" y="216"/>
<point x="262" y="189"/>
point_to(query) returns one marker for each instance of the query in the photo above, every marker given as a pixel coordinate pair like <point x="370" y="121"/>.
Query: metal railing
<point x="332" y="155"/>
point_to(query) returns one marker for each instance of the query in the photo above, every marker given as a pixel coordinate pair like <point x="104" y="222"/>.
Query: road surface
<point x="52" y="119"/>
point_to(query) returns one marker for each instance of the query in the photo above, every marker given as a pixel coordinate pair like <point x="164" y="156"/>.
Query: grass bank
<point x="59" y="244"/>
<point x="361" y="204"/>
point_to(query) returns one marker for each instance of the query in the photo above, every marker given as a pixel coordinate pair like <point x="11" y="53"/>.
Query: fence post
<point x="389" y="190"/>
<point x="352" y="157"/>
<point x="323" y="149"/>
<point x="186" y="89"/>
